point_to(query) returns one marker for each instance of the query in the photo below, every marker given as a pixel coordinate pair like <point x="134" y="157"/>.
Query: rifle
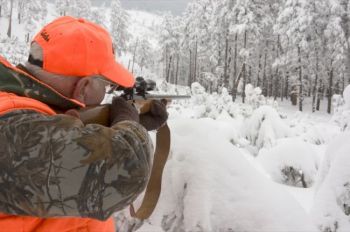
<point x="138" y="95"/>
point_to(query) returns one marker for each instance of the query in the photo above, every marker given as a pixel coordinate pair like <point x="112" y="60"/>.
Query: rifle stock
<point x="100" y="114"/>
<point x="95" y="115"/>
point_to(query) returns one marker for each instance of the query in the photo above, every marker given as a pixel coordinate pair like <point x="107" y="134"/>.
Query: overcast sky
<point x="175" y="6"/>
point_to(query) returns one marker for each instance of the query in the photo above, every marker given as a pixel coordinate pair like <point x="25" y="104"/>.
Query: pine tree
<point x="98" y="16"/>
<point x="9" y="30"/>
<point x="119" y="22"/>
<point x="144" y="54"/>
<point x="3" y="7"/>
<point x="62" y="7"/>
<point x="33" y="17"/>
<point x="20" y="10"/>
<point x="83" y="9"/>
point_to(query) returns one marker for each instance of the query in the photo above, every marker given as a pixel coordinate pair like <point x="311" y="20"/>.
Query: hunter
<point x="57" y="173"/>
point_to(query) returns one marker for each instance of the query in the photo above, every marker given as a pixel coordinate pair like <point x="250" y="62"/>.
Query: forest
<point x="289" y="48"/>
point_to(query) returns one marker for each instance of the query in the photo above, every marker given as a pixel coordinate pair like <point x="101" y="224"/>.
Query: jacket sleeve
<point x="53" y="166"/>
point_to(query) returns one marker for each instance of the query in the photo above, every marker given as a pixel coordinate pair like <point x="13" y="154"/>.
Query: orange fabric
<point x="10" y="102"/>
<point x="78" y="47"/>
<point x="10" y="66"/>
<point x="12" y="223"/>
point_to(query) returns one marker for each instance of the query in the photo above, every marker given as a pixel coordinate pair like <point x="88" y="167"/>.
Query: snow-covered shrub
<point x="264" y="127"/>
<point x="332" y="199"/>
<point x="342" y="110"/>
<point x="210" y="186"/>
<point x="209" y="105"/>
<point x="254" y="96"/>
<point x="319" y="133"/>
<point x="14" y="50"/>
<point x="346" y="96"/>
<point x="291" y="162"/>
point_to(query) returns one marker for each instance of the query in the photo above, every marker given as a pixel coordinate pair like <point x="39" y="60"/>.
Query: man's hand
<point x="155" y="117"/>
<point x="121" y="110"/>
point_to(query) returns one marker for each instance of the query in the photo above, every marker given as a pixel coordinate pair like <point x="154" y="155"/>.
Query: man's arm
<point x="55" y="166"/>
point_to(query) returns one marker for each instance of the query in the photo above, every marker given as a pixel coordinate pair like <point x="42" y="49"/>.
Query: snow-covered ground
<point x="253" y="167"/>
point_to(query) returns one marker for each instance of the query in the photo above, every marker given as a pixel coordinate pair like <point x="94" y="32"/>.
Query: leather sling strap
<point x="154" y="186"/>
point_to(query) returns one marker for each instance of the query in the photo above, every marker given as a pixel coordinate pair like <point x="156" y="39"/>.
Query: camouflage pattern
<point x="54" y="166"/>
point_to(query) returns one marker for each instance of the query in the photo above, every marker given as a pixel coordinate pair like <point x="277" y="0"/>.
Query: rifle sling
<point x="153" y="189"/>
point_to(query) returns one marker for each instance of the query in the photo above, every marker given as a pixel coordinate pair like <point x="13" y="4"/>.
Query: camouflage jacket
<point x="55" y="166"/>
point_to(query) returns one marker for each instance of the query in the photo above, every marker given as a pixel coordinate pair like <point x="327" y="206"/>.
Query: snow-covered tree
<point x="169" y="37"/>
<point x="63" y="7"/>
<point x="3" y="7"/>
<point x="83" y="9"/>
<point x="20" y="10"/>
<point x="144" y="54"/>
<point x="119" y="22"/>
<point x="98" y="16"/>
<point x="9" y="30"/>
<point x="33" y="17"/>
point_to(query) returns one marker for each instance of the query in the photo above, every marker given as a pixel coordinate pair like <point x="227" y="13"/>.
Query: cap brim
<point x="118" y="74"/>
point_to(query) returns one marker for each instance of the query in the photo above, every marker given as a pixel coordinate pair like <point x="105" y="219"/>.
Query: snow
<point x="226" y="170"/>
<point x="265" y="126"/>
<point x="218" y="179"/>
<point x="346" y="96"/>
<point x="210" y="186"/>
<point x="291" y="153"/>
<point x="332" y="200"/>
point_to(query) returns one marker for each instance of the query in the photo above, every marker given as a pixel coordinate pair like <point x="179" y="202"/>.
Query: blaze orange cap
<point x="78" y="47"/>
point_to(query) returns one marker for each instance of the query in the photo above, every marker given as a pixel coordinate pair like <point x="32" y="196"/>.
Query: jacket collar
<point x="17" y="80"/>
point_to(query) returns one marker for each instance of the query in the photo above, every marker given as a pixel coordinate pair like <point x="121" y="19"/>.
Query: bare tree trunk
<point x="190" y="70"/>
<point x="286" y="87"/>
<point x="276" y="79"/>
<point x="343" y="80"/>
<point x="19" y="11"/>
<point x="129" y="64"/>
<point x="177" y="69"/>
<point x="258" y="73"/>
<point x="345" y="24"/>
<point x="276" y="85"/>
<point x="234" y="86"/>
<point x="314" y="89"/>
<point x="134" y="56"/>
<point x="249" y="77"/>
<point x="282" y="81"/>
<point x="301" y="97"/>
<point x="315" y="94"/>
<point x="0" y="11"/>
<point x="172" y="71"/>
<point x="9" y="31"/>
<point x="271" y="77"/>
<point x="330" y="89"/>
<point x="168" y="69"/>
<point x="166" y="58"/>
<point x="195" y="61"/>
<point x="264" y="80"/>
<point x="244" y="68"/>
<point x="319" y="95"/>
<point x="226" y="84"/>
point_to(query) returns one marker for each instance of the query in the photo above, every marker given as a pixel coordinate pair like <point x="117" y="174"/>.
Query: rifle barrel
<point x="159" y="96"/>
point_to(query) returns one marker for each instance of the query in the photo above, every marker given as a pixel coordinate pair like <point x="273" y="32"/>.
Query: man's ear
<point x="81" y="88"/>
